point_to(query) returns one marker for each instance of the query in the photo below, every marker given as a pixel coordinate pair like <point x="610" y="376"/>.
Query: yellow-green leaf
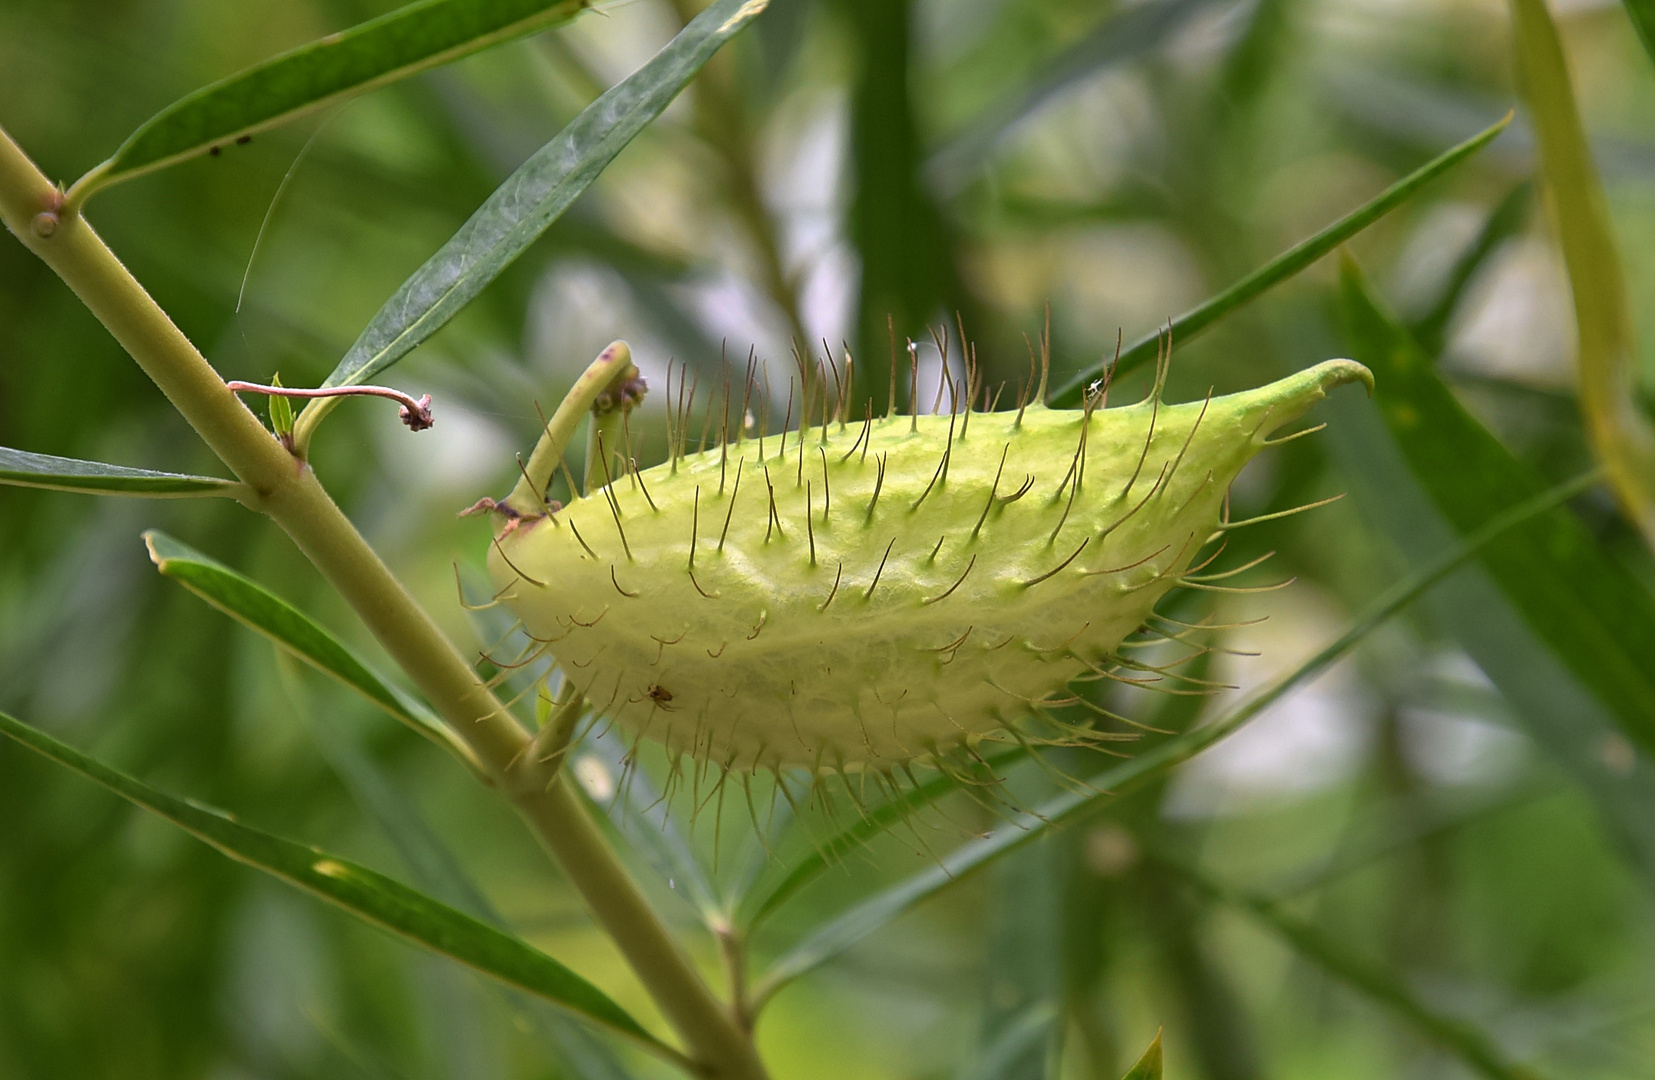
<point x="1621" y="434"/>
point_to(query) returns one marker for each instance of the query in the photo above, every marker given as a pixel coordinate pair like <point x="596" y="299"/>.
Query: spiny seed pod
<point x="860" y="595"/>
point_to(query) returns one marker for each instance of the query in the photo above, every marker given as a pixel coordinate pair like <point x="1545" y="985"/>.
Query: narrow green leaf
<point x="281" y="412"/>
<point x="1594" y="615"/>
<point x="438" y="872"/>
<point x="870" y="823"/>
<point x="1021" y="986"/>
<point x="1378" y="983"/>
<point x="1621" y="434"/>
<point x="1148" y="1066"/>
<point x="1642" y="14"/>
<point x="1561" y="628"/>
<point x="255" y="606"/>
<point x="365" y="893"/>
<point x="851" y="926"/>
<point x="22" y="469"/>
<point x="1290" y="262"/>
<point x="404" y="42"/>
<point x="528" y="202"/>
<point x="1177" y="713"/>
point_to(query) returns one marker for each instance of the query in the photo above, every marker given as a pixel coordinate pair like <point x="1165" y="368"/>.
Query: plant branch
<point x="288" y="491"/>
<point x="609" y="383"/>
<point x="733" y="951"/>
<point x="416" y="414"/>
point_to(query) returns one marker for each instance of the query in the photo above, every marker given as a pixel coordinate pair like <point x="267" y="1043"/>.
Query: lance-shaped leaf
<point x="22" y="469"/>
<point x="1621" y="433"/>
<point x="1642" y="13"/>
<point x="851" y="926"/>
<point x="1561" y="628"/>
<point x="1592" y="613"/>
<point x="1290" y="262"/>
<point x="1148" y="1067"/>
<point x="435" y="869"/>
<point x="257" y="607"/>
<point x="528" y="202"/>
<point x="871" y="822"/>
<point x="365" y="893"/>
<point x="406" y="41"/>
<point x="899" y="809"/>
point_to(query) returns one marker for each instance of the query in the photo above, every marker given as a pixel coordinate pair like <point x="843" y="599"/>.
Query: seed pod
<point x="860" y="595"/>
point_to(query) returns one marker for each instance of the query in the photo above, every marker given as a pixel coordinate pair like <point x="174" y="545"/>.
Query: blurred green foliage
<point x="1450" y="807"/>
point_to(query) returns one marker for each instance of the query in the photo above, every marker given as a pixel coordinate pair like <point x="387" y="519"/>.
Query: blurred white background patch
<point x="1311" y="740"/>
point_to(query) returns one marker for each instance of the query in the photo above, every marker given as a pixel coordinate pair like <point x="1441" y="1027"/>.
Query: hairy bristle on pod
<point x="863" y="594"/>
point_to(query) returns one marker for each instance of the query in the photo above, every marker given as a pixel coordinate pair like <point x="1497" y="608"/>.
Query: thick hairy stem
<point x="286" y="489"/>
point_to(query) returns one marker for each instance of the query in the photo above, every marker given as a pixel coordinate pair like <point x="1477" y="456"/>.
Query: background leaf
<point x="1560" y="627"/>
<point x="1021" y="1035"/>
<point x="258" y="608"/>
<point x="1597" y="619"/>
<point x="1148" y="1067"/>
<point x="528" y="202"/>
<point x="871" y="822"/>
<point x="362" y="892"/>
<point x="1018" y="1048"/>
<point x="1621" y="433"/>
<point x="438" y="872"/>
<point x="23" y="469"/>
<point x="1290" y="262"/>
<point x="903" y="241"/>
<point x="1642" y="14"/>
<point x="404" y="42"/>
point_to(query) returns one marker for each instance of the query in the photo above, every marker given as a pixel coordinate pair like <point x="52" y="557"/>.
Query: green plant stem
<point x="612" y="367"/>
<point x="287" y="490"/>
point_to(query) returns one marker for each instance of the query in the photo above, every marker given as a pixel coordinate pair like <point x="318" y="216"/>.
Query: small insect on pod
<point x="862" y="593"/>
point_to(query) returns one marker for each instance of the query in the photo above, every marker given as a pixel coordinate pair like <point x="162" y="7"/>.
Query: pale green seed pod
<point x="861" y="595"/>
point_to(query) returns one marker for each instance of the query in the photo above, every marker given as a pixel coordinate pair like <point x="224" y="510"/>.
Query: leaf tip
<point x="153" y="538"/>
<point x="1148" y="1066"/>
<point x="746" y="12"/>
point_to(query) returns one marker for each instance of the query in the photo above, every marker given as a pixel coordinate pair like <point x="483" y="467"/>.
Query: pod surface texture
<point x="860" y="595"/>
